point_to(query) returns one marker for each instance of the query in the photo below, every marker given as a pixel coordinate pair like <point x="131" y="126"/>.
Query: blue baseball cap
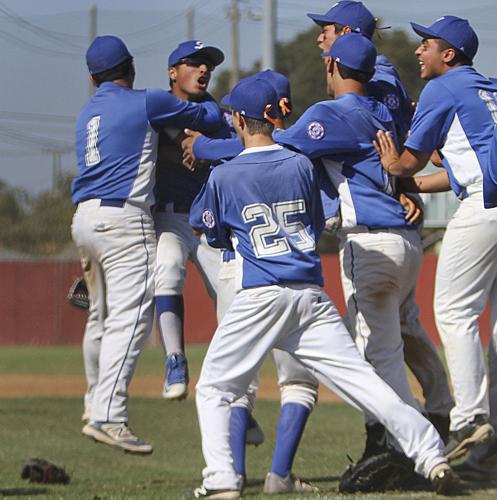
<point x="195" y="48"/>
<point x="348" y="13"/>
<point x="105" y="53"/>
<point x="354" y="51"/>
<point x="453" y="30"/>
<point x="279" y="82"/>
<point x="250" y="97"/>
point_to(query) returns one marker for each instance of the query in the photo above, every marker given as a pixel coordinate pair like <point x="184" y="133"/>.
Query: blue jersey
<point x="116" y="140"/>
<point x="387" y="88"/>
<point x="455" y="115"/>
<point x="174" y="182"/>
<point x="265" y="204"/>
<point x="340" y="133"/>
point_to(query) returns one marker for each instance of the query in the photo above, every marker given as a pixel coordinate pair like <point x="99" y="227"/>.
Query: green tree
<point x="299" y="59"/>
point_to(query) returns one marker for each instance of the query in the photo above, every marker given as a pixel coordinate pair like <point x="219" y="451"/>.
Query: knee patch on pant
<point x="304" y="394"/>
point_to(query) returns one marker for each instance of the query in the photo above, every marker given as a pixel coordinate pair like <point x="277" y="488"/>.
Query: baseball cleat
<point x="481" y="465"/>
<point x="85" y="418"/>
<point x="475" y="433"/>
<point x="275" y="484"/>
<point x="255" y="435"/>
<point x="176" y="384"/>
<point x="444" y="479"/>
<point x="203" y="492"/>
<point x="117" y="435"/>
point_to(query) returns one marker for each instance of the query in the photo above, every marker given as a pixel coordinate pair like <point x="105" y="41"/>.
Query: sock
<point x="170" y="314"/>
<point x="291" y="424"/>
<point x="239" y="424"/>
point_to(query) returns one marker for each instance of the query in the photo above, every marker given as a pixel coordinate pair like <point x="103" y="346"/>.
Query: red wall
<point x="34" y="309"/>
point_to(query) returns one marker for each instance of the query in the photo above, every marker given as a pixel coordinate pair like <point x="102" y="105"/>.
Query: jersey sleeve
<point x="318" y="132"/>
<point x="166" y="110"/>
<point x="328" y="194"/>
<point x="212" y="150"/>
<point x="432" y="119"/>
<point x="206" y="215"/>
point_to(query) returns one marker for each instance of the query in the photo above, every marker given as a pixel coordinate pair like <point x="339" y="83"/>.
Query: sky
<point x="44" y="78"/>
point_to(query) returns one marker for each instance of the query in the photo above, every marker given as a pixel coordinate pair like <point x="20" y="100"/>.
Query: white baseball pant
<point x="117" y="247"/>
<point x="379" y="268"/>
<point x="302" y="320"/>
<point x="466" y="279"/>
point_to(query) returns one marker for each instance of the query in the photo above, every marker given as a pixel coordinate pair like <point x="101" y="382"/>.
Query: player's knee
<point x="304" y="394"/>
<point x="246" y="401"/>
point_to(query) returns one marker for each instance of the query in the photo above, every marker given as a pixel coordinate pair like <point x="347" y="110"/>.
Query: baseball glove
<point x="78" y="294"/>
<point x="38" y="470"/>
<point x="386" y="471"/>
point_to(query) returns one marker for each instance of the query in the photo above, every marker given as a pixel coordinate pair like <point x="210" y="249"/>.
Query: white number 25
<point x="263" y="235"/>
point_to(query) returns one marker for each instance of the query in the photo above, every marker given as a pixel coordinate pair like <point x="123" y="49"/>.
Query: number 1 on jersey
<point x="92" y="156"/>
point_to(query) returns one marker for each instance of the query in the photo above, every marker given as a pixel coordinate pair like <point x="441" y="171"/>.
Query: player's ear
<point x="448" y="55"/>
<point x="172" y="73"/>
<point x="345" y="30"/>
<point x="92" y="80"/>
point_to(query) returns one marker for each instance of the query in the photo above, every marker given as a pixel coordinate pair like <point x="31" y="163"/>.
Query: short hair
<point x="352" y="74"/>
<point x="339" y="27"/>
<point x="122" y="70"/>
<point x="258" y="126"/>
<point x="459" y="58"/>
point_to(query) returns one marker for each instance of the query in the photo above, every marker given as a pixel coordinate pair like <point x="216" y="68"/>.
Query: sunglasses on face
<point x="196" y="62"/>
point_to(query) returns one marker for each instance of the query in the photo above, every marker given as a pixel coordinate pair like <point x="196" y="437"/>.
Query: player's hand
<point x="436" y="159"/>
<point x="189" y="160"/>
<point x="275" y="121"/>
<point x="387" y="149"/>
<point x="414" y="212"/>
<point x="285" y="106"/>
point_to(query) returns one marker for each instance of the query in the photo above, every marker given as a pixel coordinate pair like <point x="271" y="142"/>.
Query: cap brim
<point x="215" y="55"/>
<point x="320" y="19"/>
<point x="225" y="101"/>
<point x="423" y="31"/>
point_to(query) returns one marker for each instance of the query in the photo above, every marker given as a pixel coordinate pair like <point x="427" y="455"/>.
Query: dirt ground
<point x="26" y="385"/>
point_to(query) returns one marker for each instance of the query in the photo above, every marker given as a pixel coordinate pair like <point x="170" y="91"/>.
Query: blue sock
<point x="239" y="424"/>
<point x="170" y="316"/>
<point x="291" y="424"/>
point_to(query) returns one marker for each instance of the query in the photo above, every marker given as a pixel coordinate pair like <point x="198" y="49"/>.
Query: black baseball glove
<point x="38" y="470"/>
<point x="386" y="471"/>
<point x="78" y="294"/>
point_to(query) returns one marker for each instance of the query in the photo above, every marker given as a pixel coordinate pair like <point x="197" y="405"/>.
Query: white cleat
<point x="275" y="484"/>
<point x="117" y="435"/>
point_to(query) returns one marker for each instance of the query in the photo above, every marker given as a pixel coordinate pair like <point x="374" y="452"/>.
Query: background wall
<point x="34" y="308"/>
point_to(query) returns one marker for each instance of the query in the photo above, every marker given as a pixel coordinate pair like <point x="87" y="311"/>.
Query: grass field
<point x="49" y="427"/>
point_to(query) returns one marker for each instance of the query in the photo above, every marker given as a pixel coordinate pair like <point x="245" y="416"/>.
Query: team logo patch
<point x="315" y="131"/>
<point x="198" y="45"/>
<point x="391" y="101"/>
<point x="208" y="219"/>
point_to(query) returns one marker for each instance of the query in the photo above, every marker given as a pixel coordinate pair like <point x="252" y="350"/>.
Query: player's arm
<point x="318" y="132"/>
<point x="166" y="110"/>
<point x="433" y="183"/>
<point x="206" y="216"/>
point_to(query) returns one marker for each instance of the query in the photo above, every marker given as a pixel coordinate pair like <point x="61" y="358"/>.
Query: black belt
<point x="112" y="203"/>
<point x="177" y="208"/>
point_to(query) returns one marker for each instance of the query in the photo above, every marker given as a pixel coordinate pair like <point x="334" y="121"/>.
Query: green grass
<point x="50" y="428"/>
<point x="53" y="360"/>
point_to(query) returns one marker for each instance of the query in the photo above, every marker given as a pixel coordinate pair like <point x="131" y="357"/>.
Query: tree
<point x="300" y="61"/>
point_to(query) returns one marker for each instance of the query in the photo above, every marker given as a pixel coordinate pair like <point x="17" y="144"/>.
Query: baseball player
<point x="299" y="388"/>
<point x="116" y="148"/>
<point x="273" y="220"/>
<point x="456" y="117"/>
<point x="419" y="352"/>
<point x="190" y="67"/>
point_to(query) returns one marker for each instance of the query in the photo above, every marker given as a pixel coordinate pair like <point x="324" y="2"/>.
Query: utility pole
<point x="269" y="34"/>
<point x="190" y="27"/>
<point x="93" y="35"/>
<point x="56" y="170"/>
<point x="234" y="15"/>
